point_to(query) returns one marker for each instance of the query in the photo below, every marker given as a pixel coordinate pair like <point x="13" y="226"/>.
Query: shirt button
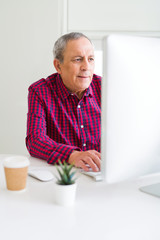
<point x="84" y="144"/>
<point x="79" y="106"/>
<point x="82" y="126"/>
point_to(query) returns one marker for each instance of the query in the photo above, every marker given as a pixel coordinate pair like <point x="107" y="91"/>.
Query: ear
<point x="57" y="65"/>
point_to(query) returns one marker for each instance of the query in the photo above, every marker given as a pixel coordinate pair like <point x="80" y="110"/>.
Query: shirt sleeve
<point x="38" y="143"/>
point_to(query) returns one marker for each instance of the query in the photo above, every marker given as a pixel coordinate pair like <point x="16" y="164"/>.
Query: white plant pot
<point x="65" y="194"/>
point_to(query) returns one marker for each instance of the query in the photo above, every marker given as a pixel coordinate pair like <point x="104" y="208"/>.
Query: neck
<point x="79" y="94"/>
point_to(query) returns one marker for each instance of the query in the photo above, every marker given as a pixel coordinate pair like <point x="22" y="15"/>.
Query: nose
<point x="85" y="65"/>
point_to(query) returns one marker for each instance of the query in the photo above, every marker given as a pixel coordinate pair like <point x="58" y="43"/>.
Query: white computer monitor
<point x="130" y="141"/>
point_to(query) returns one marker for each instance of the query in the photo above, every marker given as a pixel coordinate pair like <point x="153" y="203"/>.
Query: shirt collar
<point x="64" y="92"/>
<point x="89" y="91"/>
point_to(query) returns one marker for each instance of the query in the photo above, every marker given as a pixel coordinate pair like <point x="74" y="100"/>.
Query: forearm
<point x="41" y="146"/>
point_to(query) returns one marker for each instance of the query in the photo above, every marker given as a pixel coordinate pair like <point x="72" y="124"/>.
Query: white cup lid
<point x="16" y="162"/>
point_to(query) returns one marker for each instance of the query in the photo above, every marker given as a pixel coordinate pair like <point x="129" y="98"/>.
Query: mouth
<point x="83" y="76"/>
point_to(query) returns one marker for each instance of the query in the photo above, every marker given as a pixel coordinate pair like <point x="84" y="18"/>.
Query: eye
<point x="77" y="59"/>
<point x="91" y="59"/>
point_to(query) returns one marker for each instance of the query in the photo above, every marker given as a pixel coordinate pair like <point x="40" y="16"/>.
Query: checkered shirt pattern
<point x="58" y="122"/>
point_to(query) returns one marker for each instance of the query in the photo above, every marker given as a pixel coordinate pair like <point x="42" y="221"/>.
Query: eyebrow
<point x="83" y="56"/>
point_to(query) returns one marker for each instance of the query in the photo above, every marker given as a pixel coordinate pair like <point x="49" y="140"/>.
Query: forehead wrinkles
<point x="79" y="48"/>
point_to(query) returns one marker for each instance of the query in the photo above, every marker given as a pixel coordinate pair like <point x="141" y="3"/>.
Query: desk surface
<point x="101" y="211"/>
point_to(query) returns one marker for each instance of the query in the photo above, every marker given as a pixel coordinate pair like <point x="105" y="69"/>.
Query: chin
<point x="85" y="84"/>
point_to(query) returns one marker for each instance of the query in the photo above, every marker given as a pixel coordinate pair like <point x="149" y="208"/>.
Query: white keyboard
<point x="97" y="176"/>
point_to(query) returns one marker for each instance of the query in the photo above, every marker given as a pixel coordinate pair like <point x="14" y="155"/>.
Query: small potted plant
<point x="65" y="187"/>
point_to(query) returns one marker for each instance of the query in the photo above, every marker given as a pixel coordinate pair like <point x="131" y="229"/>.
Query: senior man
<point x="64" y="110"/>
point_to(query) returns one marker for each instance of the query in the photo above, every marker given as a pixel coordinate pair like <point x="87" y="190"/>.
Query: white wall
<point x="114" y="15"/>
<point x="28" y="30"/>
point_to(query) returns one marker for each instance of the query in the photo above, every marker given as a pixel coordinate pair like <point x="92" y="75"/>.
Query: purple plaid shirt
<point x="58" y="122"/>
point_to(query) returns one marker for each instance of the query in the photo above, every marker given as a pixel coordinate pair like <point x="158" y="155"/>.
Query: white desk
<point x="101" y="212"/>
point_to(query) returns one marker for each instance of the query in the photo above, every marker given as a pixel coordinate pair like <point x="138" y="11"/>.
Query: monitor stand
<point x="153" y="189"/>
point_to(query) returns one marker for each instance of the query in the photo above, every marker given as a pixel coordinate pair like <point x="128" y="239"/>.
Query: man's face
<point x="78" y="65"/>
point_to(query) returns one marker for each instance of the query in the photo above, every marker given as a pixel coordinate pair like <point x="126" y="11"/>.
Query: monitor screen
<point x="130" y="141"/>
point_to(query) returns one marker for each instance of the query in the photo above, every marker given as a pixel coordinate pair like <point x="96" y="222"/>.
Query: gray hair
<point x="60" y="44"/>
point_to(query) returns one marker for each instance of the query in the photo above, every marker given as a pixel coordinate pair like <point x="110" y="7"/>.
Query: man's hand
<point x="86" y="159"/>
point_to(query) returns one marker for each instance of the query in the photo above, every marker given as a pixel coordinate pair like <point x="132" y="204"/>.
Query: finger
<point x="90" y="162"/>
<point x="82" y="165"/>
<point x="95" y="159"/>
<point x="97" y="154"/>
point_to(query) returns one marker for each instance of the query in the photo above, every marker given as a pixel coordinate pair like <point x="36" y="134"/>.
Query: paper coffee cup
<point x="16" y="169"/>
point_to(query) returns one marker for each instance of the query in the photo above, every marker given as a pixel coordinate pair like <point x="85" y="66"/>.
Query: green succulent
<point x="65" y="174"/>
